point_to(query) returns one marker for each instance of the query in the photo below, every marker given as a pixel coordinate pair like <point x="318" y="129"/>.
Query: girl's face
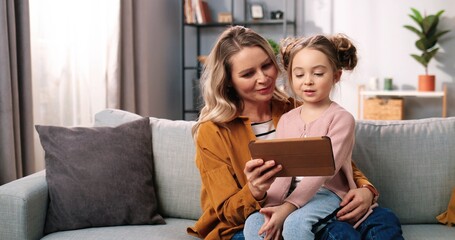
<point x="313" y="76"/>
<point x="253" y="76"/>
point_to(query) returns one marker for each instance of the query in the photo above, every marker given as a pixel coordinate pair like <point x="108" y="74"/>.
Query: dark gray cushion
<point x="99" y="176"/>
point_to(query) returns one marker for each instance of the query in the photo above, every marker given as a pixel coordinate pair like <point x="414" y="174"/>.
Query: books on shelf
<point x="197" y="11"/>
<point x="206" y="12"/>
<point x="188" y="11"/>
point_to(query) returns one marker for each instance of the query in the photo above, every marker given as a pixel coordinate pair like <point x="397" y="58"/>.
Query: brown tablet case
<point x="311" y="156"/>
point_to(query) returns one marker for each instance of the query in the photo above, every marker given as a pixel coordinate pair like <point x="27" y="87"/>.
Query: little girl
<point x="314" y="65"/>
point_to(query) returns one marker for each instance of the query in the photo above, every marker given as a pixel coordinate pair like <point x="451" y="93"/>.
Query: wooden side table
<point x="362" y="94"/>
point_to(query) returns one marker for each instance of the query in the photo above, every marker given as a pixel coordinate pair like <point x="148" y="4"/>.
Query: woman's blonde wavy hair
<point x="221" y="101"/>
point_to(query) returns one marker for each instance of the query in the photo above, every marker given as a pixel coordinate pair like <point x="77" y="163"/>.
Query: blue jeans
<point x="298" y="225"/>
<point x="238" y="236"/>
<point x="382" y="224"/>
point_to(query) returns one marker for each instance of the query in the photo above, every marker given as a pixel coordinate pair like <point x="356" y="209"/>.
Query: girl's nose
<point x="308" y="80"/>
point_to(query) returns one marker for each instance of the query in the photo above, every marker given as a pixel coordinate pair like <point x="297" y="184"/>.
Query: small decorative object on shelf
<point x="257" y="11"/>
<point x="224" y="17"/>
<point x="276" y="14"/>
<point x="373" y="84"/>
<point x="388" y="84"/>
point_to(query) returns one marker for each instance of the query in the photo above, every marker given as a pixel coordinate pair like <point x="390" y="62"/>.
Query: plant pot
<point x="426" y="83"/>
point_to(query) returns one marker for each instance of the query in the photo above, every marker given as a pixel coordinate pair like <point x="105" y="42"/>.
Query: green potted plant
<point x="429" y="35"/>
<point x="274" y="45"/>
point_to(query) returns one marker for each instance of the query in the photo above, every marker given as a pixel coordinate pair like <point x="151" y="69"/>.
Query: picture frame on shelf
<point x="257" y="11"/>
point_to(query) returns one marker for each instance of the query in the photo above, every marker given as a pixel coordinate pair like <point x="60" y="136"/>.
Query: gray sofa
<point x="412" y="163"/>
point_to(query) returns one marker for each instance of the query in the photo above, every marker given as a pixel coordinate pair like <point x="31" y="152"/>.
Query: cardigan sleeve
<point x="359" y="178"/>
<point x="231" y="202"/>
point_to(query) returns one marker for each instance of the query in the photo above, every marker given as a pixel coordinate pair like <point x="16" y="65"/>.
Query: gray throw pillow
<point x="99" y="176"/>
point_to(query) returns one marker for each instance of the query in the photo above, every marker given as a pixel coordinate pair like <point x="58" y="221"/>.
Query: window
<point x="74" y="48"/>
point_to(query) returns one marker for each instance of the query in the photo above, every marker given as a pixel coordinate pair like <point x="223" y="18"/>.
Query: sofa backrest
<point x="411" y="163"/>
<point x="176" y="177"/>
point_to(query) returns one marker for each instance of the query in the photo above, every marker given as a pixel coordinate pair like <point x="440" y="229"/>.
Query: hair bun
<point x="347" y="52"/>
<point x="286" y="46"/>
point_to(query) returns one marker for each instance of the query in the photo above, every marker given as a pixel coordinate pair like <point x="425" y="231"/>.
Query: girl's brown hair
<point x="340" y="51"/>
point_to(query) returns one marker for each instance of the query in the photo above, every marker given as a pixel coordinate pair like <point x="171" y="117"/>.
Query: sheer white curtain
<point x="75" y="47"/>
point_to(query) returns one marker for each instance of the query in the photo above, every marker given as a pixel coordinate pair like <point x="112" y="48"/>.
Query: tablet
<point x="311" y="156"/>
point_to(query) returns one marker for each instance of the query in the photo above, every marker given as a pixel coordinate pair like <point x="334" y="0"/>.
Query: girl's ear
<point x="337" y="76"/>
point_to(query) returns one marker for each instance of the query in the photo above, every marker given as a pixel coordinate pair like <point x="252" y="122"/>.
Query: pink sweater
<point x="336" y="123"/>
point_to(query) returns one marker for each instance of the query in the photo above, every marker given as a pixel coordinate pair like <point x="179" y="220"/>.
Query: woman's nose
<point x="262" y="76"/>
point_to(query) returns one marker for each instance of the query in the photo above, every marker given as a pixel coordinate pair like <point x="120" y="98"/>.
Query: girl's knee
<point x="254" y="217"/>
<point x="252" y="225"/>
<point x="297" y="230"/>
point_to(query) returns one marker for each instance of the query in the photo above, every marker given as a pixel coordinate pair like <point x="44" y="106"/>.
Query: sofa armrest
<point x="23" y="207"/>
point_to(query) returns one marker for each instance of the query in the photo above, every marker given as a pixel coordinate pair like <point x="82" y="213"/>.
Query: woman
<point x="238" y="87"/>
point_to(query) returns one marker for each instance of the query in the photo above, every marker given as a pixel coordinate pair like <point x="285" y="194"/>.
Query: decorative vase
<point x="426" y="83"/>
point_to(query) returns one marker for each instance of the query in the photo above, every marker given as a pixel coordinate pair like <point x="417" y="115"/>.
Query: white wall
<point x="384" y="46"/>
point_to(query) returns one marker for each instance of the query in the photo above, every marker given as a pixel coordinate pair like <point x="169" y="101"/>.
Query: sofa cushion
<point x="411" y="163"/>
<point x="177" y="181"/>
<point x="427" y="232"/>
<point x="99" y="176"/>
<point x="174" y="229"/>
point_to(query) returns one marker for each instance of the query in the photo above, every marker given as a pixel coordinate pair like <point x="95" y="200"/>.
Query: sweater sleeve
<point x="231" y="202"/>
<point x="341" y="133"/>
<point x="359" y="178"/>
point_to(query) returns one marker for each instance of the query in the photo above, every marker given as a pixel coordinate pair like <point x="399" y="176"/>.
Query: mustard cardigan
<point x="221" y="154"/>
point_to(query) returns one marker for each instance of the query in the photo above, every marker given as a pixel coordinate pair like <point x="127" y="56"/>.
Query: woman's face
<point x="253" y="75"/>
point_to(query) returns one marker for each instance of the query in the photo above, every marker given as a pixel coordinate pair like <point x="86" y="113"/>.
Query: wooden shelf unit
<point x="362" y="94"/>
